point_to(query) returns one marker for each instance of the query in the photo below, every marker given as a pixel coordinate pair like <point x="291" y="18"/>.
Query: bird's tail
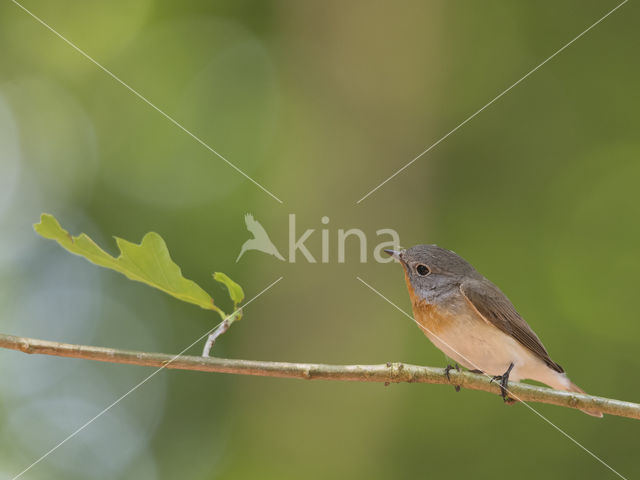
<point x="572" y="387"/>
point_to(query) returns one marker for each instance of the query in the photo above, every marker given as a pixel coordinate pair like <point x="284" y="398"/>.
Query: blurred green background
<point x="319" y="102"/>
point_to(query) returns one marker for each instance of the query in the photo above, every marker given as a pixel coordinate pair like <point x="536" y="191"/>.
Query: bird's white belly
<point x="476" y="345"/>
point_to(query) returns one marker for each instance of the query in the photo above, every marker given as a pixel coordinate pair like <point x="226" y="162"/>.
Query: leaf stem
<point x="219" y="330"/>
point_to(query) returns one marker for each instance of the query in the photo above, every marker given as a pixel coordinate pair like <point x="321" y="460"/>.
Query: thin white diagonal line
<point x="506" y="388"/>
<point x="145" y="100"/>
<point x="133" y="389"/>
<point x="491" y="102"/>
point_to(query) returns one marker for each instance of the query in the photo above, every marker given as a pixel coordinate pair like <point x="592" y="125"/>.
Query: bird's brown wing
<point x="497" y="310"/>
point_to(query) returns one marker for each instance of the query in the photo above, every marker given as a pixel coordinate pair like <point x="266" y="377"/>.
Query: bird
<point x="472" y="322"/>
<point x="260" y="240"/>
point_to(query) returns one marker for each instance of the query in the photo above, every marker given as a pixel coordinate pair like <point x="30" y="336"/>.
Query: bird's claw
<point x="447" y="369"/>
<point x="504" y="383"/>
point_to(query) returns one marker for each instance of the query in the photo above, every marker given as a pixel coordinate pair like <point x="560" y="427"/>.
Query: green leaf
<point x="235" y="291"/>
<point x="148" y="262"/>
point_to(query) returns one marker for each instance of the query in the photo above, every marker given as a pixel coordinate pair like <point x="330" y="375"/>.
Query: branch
<point x="384" y="373"/>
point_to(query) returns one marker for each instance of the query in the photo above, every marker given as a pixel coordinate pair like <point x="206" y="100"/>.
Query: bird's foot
<point x="504" y="382"/>
<point x="447" y="369"/>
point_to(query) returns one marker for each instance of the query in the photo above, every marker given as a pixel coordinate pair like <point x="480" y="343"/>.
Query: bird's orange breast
<point x="429" y="316"/>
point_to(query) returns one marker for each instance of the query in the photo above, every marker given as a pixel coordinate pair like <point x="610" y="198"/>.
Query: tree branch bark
<point x="384" y="373"/>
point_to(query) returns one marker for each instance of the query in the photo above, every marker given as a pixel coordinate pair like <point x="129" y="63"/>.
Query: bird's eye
<point x="423" y="270"/>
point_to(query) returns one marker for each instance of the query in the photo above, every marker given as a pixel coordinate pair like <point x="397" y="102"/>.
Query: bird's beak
<point x="394" y="253"/>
